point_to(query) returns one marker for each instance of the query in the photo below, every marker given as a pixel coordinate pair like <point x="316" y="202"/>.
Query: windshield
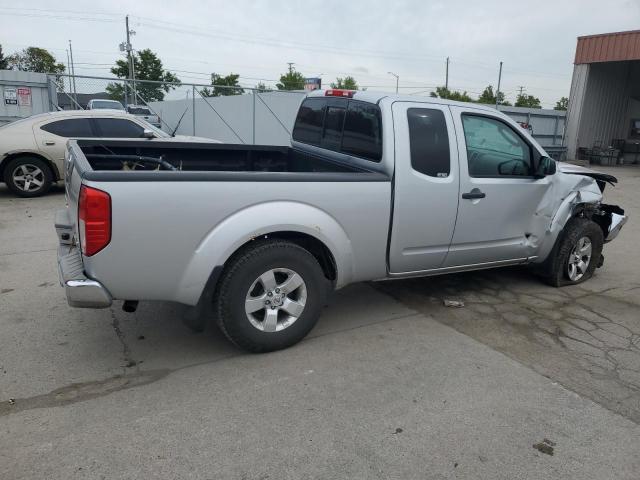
<point x="156" y="130"/>
<point x="139" y="110"/>
<point x="111" y="104"/>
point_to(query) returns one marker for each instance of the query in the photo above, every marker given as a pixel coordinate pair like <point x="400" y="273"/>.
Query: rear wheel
<point x="28" y="176"/>
<point x="270" y="296"/>
<point x="577" y="254"/>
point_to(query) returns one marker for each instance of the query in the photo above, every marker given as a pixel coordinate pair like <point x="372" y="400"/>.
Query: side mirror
<point x="146" y="133"/>
<point x="545" y="166"/>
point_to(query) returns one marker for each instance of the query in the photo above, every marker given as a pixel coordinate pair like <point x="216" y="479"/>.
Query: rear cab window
<point x="429" y="142"/>
<point x="349" y="126"/>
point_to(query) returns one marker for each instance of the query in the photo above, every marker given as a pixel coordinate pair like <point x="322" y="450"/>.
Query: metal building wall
<point x="574" y="112"/>
<point x="548" y="125"/>
<point x="275" y="113"/>
<point x="40" y="94"/>
<point x="273" y="125"/>
<point x="604" y="104"/>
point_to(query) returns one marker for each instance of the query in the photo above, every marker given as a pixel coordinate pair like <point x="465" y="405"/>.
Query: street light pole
<point x="498" y="89"/>
<point x="446" y="79"/>
<point x="73" y="73"/>
<point x="397" y="79"/>
<point x="132" y="71"/>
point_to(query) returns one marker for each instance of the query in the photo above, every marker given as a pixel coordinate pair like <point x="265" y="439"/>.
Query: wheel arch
<point x="306" y="226"/>
<point x="13" y="155"/>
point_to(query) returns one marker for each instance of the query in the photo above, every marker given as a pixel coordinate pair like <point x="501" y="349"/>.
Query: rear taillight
<point x="94" y="218"/>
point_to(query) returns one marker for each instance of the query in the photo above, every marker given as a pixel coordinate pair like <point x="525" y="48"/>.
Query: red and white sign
<point x="24" y="96"/>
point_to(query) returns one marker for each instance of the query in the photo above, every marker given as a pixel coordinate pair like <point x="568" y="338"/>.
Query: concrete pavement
<point x="382" y="388"/>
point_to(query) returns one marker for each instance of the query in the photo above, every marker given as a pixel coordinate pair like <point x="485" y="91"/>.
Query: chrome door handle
<point x="473" y="194"/>
<point x="49" y="142"/>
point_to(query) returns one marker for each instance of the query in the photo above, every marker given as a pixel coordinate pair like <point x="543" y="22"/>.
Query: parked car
<point x="145" y="113"/>
<point x="32" y="149"/>
<point x="373" y="187"/>
<point x="100" y="104"/>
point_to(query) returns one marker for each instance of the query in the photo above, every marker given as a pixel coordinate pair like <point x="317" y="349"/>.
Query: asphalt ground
<point x="390" y="384"/>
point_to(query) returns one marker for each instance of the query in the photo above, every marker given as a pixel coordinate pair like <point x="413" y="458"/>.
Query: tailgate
<point x="72" y="183"/>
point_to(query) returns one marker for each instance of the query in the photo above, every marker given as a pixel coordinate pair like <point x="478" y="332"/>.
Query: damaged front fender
<point x="575" y="192"/>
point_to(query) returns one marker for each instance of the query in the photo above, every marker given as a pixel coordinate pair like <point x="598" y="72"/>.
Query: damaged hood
<point x="587" y="172"/>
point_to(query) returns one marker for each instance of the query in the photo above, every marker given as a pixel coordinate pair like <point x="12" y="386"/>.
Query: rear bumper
<point x="82" y="292"/>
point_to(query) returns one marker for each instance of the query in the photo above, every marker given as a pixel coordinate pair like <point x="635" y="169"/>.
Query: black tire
<point x="29" y="163"/>
<point x="556" y="269"/>
<point x="240" y="274"/>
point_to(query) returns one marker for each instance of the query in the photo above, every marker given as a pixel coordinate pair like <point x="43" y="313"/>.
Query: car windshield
<point x="112" y="104"/>
<point x="139" y="110"/>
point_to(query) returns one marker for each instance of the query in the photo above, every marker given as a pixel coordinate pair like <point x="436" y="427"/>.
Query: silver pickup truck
<point x="373" y="187"/>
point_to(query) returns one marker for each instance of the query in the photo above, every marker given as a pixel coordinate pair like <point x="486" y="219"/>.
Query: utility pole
<point x="498" y="89"/>
<point x="397" y="79"/>
<point x="446" y="82"/>
<point x="132" y="71"/>
<point x="291" y="64"/>
<point x="73" y="74"/>
<point x="521" y="90"/>
<point x="68" y="69"/>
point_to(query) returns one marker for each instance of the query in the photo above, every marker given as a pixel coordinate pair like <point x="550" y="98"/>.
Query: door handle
<point x="473" y="194"/>
<point x="49" y="142"/>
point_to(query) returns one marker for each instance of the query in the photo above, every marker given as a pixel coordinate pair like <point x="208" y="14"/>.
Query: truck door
<point x="498" y="192"/>
<point x="425" y="187"/>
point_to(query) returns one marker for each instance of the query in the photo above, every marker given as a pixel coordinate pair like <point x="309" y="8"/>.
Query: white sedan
<point x="32" y="149"/>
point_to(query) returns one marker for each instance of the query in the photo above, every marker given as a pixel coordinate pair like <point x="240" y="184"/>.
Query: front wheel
<point x="577" y="254"/>
<point x="270" y="296"/>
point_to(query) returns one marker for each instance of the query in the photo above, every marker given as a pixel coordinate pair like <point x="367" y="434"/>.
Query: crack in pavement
<point x="588" y="341"/>
<point x="126" y="350"/>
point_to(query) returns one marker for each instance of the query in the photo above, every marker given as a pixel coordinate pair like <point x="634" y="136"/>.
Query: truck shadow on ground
<point x="584" y="338"/>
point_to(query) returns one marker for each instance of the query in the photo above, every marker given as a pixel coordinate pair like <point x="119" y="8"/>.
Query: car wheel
<point x="270" y="296"/>
<point x="28" y="176"/>
<point x="577" y="254"/>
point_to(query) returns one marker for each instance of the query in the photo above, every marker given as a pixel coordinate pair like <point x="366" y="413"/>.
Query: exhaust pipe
<point x="130" y="306"/>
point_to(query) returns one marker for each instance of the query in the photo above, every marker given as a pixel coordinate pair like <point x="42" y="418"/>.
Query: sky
<point x="365" y="39"/>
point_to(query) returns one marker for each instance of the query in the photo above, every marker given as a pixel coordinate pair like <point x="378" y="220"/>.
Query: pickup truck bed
<point x="113" y="156"/>
<point x="180" y="229"/>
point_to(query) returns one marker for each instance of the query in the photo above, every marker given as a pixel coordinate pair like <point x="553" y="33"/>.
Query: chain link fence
<point x="229" y="114"/>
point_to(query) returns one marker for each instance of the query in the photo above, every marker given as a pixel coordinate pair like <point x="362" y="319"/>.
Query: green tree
<point x="261" y="87"/>
<point x="218" y="81"/>
<point x="4" y="64"/>
<point x="292" y="80"/>
<point x="524" y="100"/>
<point x="444" y="92"/>
<point x="346" y="83"/>
<point x="147" y="66"/>
<point x="35" y="59"/>
<point x="562" y="104"/>
<point x="489" y="97"/>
